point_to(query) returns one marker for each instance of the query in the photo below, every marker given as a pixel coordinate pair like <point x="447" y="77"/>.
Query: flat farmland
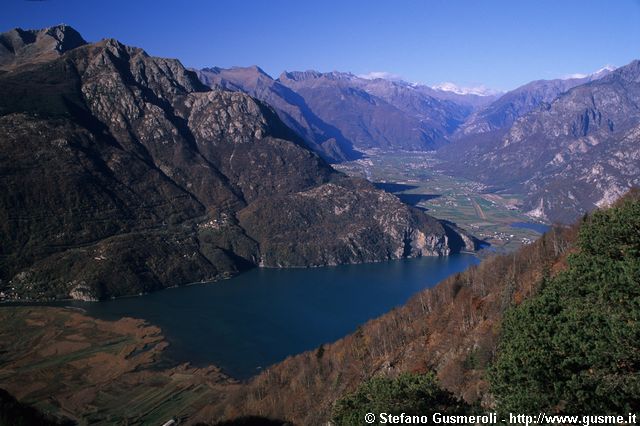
<point x="70" y="365"/>
<point x="416" y="179"/>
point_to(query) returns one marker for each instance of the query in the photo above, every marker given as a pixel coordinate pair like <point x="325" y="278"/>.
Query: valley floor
<point x="417" y="180"/>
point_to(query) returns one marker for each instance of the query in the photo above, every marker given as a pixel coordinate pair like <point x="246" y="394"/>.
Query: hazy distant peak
<point x="338" y="75"/>
<point x="454" y="88"/>
<point x="252" y="68"/>
<point x="312" y="75"/>
<point x="300" y="75"/>
<point x="605" y="70"/>
<point x="213" y="70"/>
<point x="235" y="78"/>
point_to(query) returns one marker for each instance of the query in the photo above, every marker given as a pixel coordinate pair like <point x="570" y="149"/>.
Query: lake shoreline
<point x="263" y="315"/>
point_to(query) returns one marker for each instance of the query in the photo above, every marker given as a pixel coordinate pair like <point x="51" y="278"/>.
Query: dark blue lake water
<point x="538" y="227"/>
<point x="262" y="316"/>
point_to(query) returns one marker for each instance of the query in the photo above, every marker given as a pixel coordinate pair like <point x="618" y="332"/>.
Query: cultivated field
<point x="93" y="371"/>
<point x="417" y="180"/>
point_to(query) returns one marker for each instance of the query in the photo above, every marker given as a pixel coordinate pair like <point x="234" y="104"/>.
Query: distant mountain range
<point x="520" y="101"/>
<point x="454" y="88"/>
<point x="545" y="140"/>
<point x="339" y="114"/>
<point x="322" y="137"/>
<point x="121" y="173"/>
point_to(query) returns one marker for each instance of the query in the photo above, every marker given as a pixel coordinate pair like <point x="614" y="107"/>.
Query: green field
<point x="486" y="215"/>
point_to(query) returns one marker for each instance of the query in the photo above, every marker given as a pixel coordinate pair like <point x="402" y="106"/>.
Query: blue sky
<point x="497" y="43"/>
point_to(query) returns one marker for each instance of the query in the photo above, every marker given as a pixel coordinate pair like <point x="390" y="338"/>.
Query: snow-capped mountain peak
<point x="384" y="75"/>
<point x="592" y="76"/>
<point x="452" y="87"/>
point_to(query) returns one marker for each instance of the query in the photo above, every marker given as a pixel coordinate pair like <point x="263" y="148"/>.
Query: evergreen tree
<point x="575" y="346"/>
<point x="409" y="393"/>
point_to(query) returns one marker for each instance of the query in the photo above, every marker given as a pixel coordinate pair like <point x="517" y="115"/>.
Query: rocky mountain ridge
<point x="518" y="102"/>
<point x="571" y="155"/>
<point x="345" y="112"/>
<point x="122" y="173"/>
<point x="18" y="45"/>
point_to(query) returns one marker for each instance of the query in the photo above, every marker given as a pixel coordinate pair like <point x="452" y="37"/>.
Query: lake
<point x="264" y="315"/>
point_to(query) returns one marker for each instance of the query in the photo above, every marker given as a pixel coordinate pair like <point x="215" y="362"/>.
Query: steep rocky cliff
<point x="566" y="157"/>
<point x="121" y="173"/>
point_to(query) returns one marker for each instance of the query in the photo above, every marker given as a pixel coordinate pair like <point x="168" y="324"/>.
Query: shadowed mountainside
<point x="122" y="173"/>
